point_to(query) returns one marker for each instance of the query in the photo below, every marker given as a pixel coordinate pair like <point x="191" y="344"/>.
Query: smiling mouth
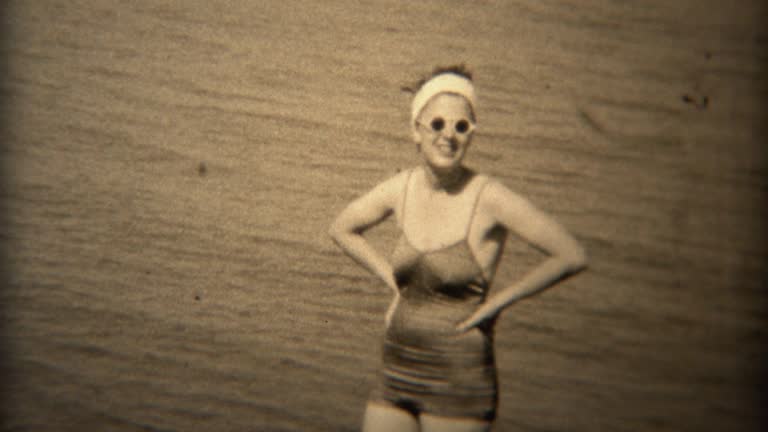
<point x="447" y="150"/>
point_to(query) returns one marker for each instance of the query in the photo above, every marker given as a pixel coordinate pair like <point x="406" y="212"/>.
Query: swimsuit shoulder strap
<point x="405" y="197"/>
<point x="483" y="180"/>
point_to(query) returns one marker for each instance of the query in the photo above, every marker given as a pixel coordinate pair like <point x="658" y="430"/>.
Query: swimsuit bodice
<point x="429" y="364"/>
<point x="446" y="274"/>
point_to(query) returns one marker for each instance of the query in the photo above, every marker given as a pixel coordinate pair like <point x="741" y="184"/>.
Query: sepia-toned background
<point x="170" y="168"/>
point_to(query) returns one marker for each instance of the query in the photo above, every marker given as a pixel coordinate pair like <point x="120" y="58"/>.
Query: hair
<point x="458" y="69"/>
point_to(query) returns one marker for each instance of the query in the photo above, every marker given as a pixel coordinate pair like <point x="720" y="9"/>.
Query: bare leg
<point x="387" y="418"/>
<point x="431" y="423"/>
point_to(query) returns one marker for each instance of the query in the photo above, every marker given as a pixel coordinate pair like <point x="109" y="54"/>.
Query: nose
<point x="449" y="133"/>
<point x="449" y="137"/>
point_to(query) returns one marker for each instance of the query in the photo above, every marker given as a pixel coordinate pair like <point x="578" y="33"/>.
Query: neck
<point x="444" y="179"/>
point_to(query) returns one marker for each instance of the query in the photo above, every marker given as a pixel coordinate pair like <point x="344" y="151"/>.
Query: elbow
<point x="576" y="261"/>
<point x="335" y="232"/>
<point x="338" y="232"/>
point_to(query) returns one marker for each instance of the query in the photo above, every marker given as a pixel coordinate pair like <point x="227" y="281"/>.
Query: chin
<point x="446" y="164"/>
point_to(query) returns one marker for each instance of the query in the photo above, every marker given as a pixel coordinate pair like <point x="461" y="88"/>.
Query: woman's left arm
<point x="517" y="214"/>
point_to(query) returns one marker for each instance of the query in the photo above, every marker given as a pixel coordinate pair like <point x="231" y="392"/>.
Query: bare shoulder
<point x="390" y="189"/>
<point x="372" y="207"/>
<point x="505" y="205"/>
<point x="384" y="196"/>
<point x="496" y="195"/>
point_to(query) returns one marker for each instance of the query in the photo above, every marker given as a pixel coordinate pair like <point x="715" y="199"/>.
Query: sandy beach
<point x="170" y="169"/>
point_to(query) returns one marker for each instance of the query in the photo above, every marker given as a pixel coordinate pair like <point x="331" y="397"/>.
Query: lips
<point x="445" y="149"/>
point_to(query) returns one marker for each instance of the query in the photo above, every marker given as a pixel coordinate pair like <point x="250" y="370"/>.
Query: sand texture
<point x="170" y="169"/>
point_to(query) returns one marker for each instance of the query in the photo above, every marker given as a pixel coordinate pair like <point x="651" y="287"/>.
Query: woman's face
<point x="444" y="130"/>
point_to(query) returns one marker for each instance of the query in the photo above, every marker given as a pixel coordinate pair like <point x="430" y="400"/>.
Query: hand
<point x="391" y="309"/>
<point x="469" y="323"/>
<point x="482" y="315"/>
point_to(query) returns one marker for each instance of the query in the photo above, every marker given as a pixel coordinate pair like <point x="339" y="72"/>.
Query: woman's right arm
<point x="365" y="212"/>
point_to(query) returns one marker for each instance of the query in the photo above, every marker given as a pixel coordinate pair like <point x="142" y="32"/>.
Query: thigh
<point x="432" y="423"/>
<point x="380" y="417"/>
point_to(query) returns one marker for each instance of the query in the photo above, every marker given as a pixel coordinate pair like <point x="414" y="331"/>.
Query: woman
<point x="439" y="372"/>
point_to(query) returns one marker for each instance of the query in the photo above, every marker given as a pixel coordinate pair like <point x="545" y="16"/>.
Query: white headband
<point x="443" y="83"/>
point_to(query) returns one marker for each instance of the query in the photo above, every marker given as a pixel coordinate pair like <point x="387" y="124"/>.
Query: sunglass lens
<point x="437" y="124"/>
<point x="462" y="126"/>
